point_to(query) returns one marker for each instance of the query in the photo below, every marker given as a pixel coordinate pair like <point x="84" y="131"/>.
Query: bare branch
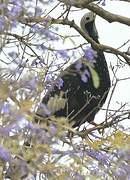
<point x="97" y="46"/>
<point x="72" y="24"/>
<point x="110" y="17"/>
<point x="77" y="3"/>
<point x="115" y="120"/>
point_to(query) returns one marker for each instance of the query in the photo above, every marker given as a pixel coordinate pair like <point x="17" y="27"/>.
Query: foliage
<point x="30" y="61"/>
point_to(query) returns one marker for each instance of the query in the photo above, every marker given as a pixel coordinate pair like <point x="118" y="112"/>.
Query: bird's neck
<point x="102" y="69"/>
<point x="92" y="31"/>
<point x="100" y="64"/>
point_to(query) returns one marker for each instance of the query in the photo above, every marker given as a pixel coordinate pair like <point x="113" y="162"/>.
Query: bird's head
<point x="87" y="24"/>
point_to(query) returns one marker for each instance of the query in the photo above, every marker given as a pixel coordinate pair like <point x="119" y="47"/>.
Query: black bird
<point x="79" y="98"/>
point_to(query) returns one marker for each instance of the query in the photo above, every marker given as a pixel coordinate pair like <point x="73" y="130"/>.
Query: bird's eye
<point x="87" y="18"/>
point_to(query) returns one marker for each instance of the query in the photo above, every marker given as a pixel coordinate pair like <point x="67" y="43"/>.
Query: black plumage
<point x="79" y="101"/>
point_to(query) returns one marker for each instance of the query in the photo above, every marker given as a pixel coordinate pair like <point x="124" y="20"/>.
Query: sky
<point x="115" y="34"/>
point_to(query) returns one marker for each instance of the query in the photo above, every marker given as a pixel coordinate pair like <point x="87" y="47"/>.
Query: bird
<point x="79" y="96"/>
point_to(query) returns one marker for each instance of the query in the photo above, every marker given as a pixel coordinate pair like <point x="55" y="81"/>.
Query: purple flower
<point x="59" y="83"/>
<point x="43" y="110"/>
<point x="4" y="131"/>
<point x="90" y="54"/>
<point x="120" y="172"/>
<point x="31" y="83"/>
<point x="103" y="2"/>
<point x="2" y="5"/>
<point x="17" y="2"/>
<point x="46" y="32"/>
<point x="38" y="11"/>
<point x="78" y="66"/>
<point x="2" y="23"/>
<point x="85" y="75"/>
<point x="12" y="129"/>
<point x="13" y="54"/>
<point x="15" y="11"/>
<point x="98" y="156"/>
<point x="48" y="78"/>
<point x="42" y="136"/>
<point x="15" y="127"/>
<point x="53" y="129"/>
<point x="6" y="108"/>
<point x="21" y="169"/>
<point x="49" y="81"/>
<point x="46" y="21"/>
<point x="43" y="47"/>
<point x="22" y="122"/>
<point x="34" y="129"/>
<point x="63" y="54"/>
<point x="36" y="28"/>
<point x="14" y="23"/>
<point x="5" y="154"/>
<point x="30" y="14"/>
<point x="84" y="78"/>
<point x="126" y="167"/>
<point x="77" y="176"/>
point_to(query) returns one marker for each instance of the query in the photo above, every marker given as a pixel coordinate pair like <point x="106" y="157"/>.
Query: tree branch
<point x="77" y="3"/>
<point x="101" y="47"/>
<point x="110" y="17"/>
<point x="97" y="46"/>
